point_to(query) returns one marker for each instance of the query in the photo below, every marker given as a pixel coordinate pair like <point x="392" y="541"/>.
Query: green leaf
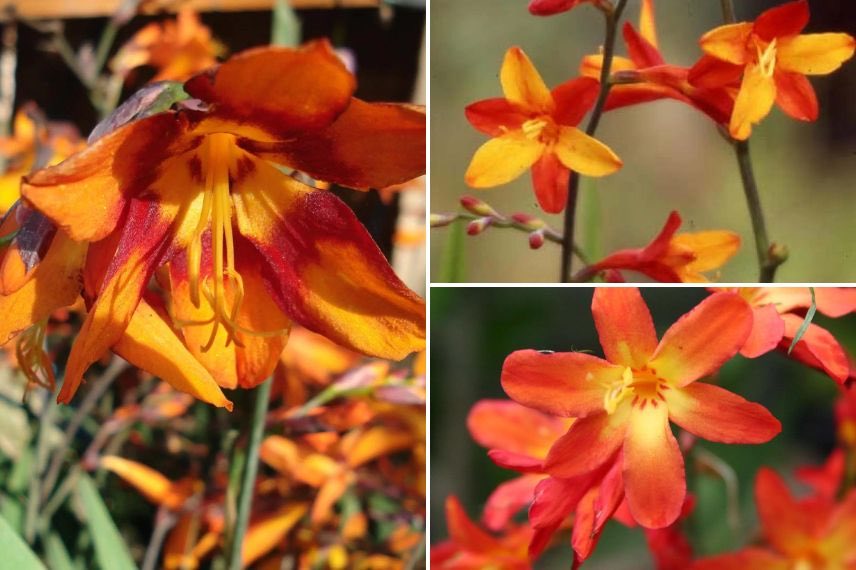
<point x="453" y="270"/>
<point x="285" y="30"/>
<point x="806" y="322"/>
<point x="57" y="554"/>
<point x="16" y="553"/>
<point x="110" y="549"/>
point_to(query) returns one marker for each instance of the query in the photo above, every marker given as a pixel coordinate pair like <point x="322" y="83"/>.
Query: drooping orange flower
<point x="177" y="49"/>
<point x="240" y="247"/>
<point x="624" y="403"/>
<point x="807" y="533"/>
<point x="673" y="257"/>
<point x="773" y="59"/>
<point x="471" y="548"/>
<point x="551" y="7"/>
<point x="533" y="127"/>
<point x="779" y="313"/>
<point x="645" y="76"/>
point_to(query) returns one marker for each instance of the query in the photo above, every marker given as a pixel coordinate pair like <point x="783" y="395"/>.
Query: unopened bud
<point x="440" y="220"/>
<point x="778" y="253"/>
<point x="476" y="227"/>
<point x="477" y="207"/>
<point x="536" y="239"/>
<point x="529" y="221"/>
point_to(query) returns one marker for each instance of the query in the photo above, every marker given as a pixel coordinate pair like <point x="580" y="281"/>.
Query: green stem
<point x="611" y="18"/>
<point x="248" y="480"/>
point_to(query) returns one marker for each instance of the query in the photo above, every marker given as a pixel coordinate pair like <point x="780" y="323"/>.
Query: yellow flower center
<point x="217" y="156"/>
<point x="766" y="56"/>
<point x="642" y="386"/>
<point x="542" y="129"/>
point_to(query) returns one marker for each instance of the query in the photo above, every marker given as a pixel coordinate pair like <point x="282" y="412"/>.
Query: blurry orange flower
<point x="471" y="548"/>
<point x="177" y="49"/>
<point x="533" y="127"/>
<point x="242" y="248"/>
<point x="773" y="59"/>
<point x="671" y="258"/>
<point x="550" y="7"/>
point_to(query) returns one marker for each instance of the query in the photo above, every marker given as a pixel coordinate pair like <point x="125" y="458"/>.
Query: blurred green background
<point x="474" y="329"/>
<point x="673" y="156"/>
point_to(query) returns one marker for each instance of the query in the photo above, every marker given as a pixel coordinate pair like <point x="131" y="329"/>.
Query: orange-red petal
<point x="550" y="181"/>
<point x="464" y="531"/>
<point x="767" y="331"/>
<point x="150" y="483"/>
<point x="624" y="325"/>
<point x="654" y="480"/>
<point x="508" y="499"/>
<point x="266" y="533"/>
<point x="747" y="559"/>
<point x="795" y="96"/>
<point x="370" y="145"/>
<point x="275" y="91"/>
<point x="831" y="301"/>
<point x="701" y="341"/>
<point x="503" y="424"/>
<point x="784" y="524"/>
<point x="712" y="72"/>
<point x="784" y="20"/>
<point x="495" y="116"/>
<point x="817" y="348"/>
<point x="715" y="414"/>
<point x="563" y="383"/>
<point x="574" y="98"/>
<point x="640" y="50"/>
<point x="589" y="444"/>
<point x="323" y="269"/>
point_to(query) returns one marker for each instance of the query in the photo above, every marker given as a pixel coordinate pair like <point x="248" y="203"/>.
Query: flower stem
<point x="611" y="18"/>
<point x="248" y="480"/>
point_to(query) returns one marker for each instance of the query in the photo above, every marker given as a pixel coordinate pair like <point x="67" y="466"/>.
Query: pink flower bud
<point x="477" y="207"/>
<point x="476" y="227"/>
<point x="536" y="239"/>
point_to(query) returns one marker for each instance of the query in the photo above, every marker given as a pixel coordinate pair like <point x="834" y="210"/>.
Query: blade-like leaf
<point x="285" y="30"/>
<point x="454" y="268"/>
<point x="806" y="322"/>
<point x="16" y="553"/>
<point x="110" y="549"/>
<point x="57" y="554"/>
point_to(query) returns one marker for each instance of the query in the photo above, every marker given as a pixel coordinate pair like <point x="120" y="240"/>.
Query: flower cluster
<point x="591" y="438"/>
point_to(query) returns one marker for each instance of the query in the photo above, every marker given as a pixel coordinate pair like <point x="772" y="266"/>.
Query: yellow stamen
<point x="767" y="58"/>
<point x="32" y="358"/>
<point x="533" y="127"/>
<point x="618" y="391"/>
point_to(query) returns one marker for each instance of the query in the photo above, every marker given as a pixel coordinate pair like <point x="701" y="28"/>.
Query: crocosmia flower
<point x="778" y="315"/>
<point x="533" y="127"/>
<point x="240" y="247"/>
<point x="773" y="59"/>
<point x="624" y="403"/>
<point x="806" y="533"/>
<point x="550" y="7"/>
<point x="673" y="257"/>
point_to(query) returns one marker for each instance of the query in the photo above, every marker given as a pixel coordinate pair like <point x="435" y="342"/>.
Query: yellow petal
<point x="814" y="54"/>
<point x="728" y="42"/>
<point x="149" y="343"/>
<point x="712" y="249"/>
<point x="150" y="483"/>
<point x="592" y="64"/>
<point x="265" y="534"/>
<point x="754" y="101"/>
<point x="502" y="159"/>
<point x="522" y="84"/>
<point x="647" y="26"/>
<point x="585" y="154"/>
<point x="376" y="442"/>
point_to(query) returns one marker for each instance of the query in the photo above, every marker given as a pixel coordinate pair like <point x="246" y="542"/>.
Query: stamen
<point x="32" y="357"/>
<point x="533" y="127"/>
<point x="767" y="58"/>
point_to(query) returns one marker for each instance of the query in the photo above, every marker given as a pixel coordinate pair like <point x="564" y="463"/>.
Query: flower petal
<point x="54" y="283"/>
<point x="814" y="54"/>
<point x="795" y="96"/>
<point x="153" y="485"/>
<point x="624" y="325"/>
<point x="589" y="444"/>
<point x="550" y="181"/>
<point x="712" y="249"/>
<point x="568" y="384"/>
<point x="323" y="269"/>
<point x="711" y="72"/>
<point x="519" y="462"/>
<point x="85" y="194"/>
<point x="592" y="65"/>
<point x="754" y="101"/>
<point x="787" y="19"/>
<point x="370" y="145"/>
<point x="507" y="499"/>
<point x="149" y="343"/>
<point x="574" y="99"/>
<point x="495" y="116"/>
<point x="502" y="159"/>
<point x="522" y="84"/>
<point x="653" y="467"/>
<point x="830" y="301"/>
<point x="767" y="331"/>
<point x="700" y="342"/>
<point x="294" y="99"/>
<point x="463" y="531"/>
<point x="647" y="24"/>
<point x="747" y="559"/>
<point x="265" y="533"/>
<point x="550" y="7"/>
<point x="639" y="49"/>
<point x="554" y="501"/>
<point x="817" y="348"/>
<point x="715" y="414"/>
<point x="585" y="154"/>
<point x="783" y="521"/>
<point x="727" y="42"/>
<point x="503" y="424"/>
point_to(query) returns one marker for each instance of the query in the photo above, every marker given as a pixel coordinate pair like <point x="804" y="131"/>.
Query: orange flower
<point x="773" y="59"/>
<point x="177" y="49"/>
<point x="535" y="128"/>
<point x="242" y="248"/>
<point x="471" y="548"/>
<point x="670" y="258"/>
<point x="624" y="404"/>
<point x="807" y="533"/>
<point x="645" y="76"/>
<point x="550" y="7"/>
<point x="778" y="315"/>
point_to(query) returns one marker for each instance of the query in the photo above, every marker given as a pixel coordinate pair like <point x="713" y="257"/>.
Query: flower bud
<point x="529" y="221"/>
<point x="536" y="239"/>
<point x="477" y="207"/>
<point x="440" y="220"/>
<point x="476" y="227"/>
